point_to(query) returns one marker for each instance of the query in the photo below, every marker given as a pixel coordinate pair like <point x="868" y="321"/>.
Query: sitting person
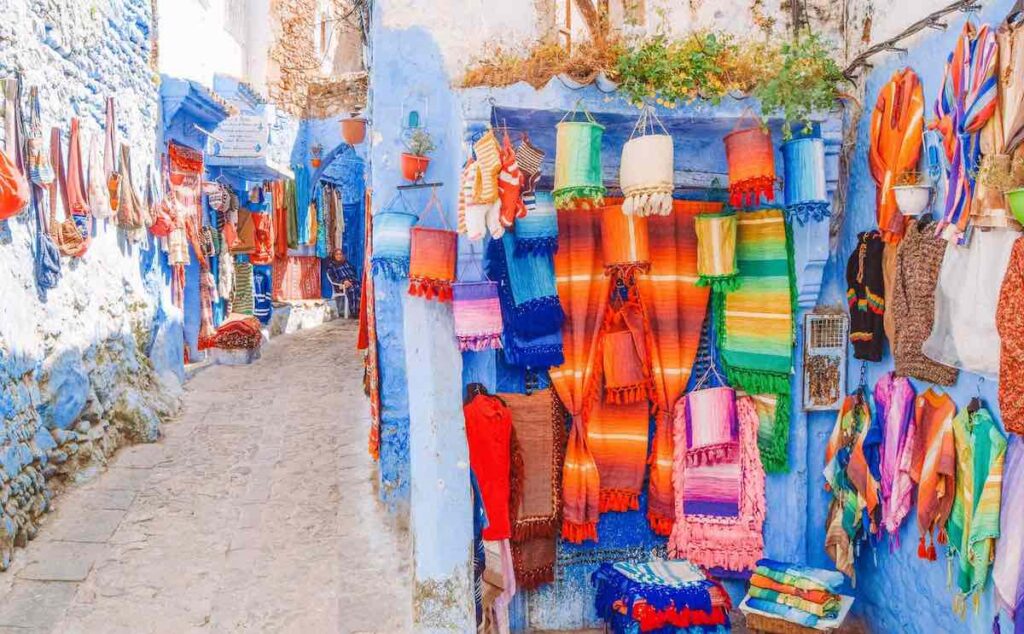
<point x="342" y="276"/>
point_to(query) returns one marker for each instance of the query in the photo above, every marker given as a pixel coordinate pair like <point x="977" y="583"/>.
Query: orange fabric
<point x="625" y="240"/>
<point x="751" y="158"/>
<point x="933" y="467"/>
<point x="263" y="239"/>
<point x="896" y="128"/>
<point x="432" y="263"/>
<point x="814" y="596"/>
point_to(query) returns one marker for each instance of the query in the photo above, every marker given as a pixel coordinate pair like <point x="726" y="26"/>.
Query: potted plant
<point x="913" y="193"/>
<point x="315" y="151"/>
<point x="415" y="160"/>
<point x="353" y="129"/>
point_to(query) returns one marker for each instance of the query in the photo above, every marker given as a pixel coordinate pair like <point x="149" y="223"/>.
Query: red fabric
<point x="297" y="277"/>
<point x="263" y="239"/>
<point x="489" y="434"/>
<point x="280" y="210"/>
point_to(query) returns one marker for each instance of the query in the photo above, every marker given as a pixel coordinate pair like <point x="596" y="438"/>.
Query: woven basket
<point x="761" y="623"/>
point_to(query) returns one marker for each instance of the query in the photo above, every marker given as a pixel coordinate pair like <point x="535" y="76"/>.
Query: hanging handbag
<point x="40" y="170"/>
<point x="110" y="166"/>
<point x="163" y="222"/>
<point x="432" y="254"/>
<point x="391" y="239"/>
<point x="14" y="188"/>
<point x="476" y="311"/>
<point x="130" y="211"/>
<point x="65" y="232"/>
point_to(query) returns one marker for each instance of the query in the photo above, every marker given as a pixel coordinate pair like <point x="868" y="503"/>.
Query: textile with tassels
<point x="803" y="164"/>
<point x="646" y="170"/>
<point x="433" y="255"/>
<point x="751" y="158"/>
<point x="535" y="308"/>
<point x="391" y="240"/>
<point x="578" y="177"/>
<point x="625" y="241"/>
<point x="537" y="231"/>
<point x="625" y="359"/>
<point x="716" y="251"/>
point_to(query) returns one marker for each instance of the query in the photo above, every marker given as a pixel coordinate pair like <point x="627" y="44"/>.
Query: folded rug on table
<point x="829" y="609"/>
<point x="803" y="577"/>
<point x="756" y="322"/>
<point x="784" y="612"/>
<point x="821" y="597"/>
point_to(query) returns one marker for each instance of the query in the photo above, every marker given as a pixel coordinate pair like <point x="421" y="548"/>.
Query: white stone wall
<point x="75" y="378"/>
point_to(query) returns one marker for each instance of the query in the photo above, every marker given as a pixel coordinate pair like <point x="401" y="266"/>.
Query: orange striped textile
<point x="583" y="291"/>
<point x="674" y="307"/>
<point x="432" y="263"/>
<point x="625" y="241"/>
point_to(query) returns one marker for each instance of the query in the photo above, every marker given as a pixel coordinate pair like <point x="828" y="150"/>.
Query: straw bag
<point x="432" y="256"/>
<point x="646" y="171"/>
<point x="70" y="238"/>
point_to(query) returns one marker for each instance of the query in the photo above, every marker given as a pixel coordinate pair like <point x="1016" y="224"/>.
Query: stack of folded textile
<point x="661" y="597"/>
<point x="797" y="594"/>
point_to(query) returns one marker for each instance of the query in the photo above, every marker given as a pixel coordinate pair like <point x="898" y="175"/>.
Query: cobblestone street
<point x="256" y="512"/>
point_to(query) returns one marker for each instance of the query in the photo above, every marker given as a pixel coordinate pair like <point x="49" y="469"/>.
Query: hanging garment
<point x="538" y="423"/>
<point x="71" y="238"/>
<point x="617" y="440"/>
<point x="626" y="365"/>
<point x="131" y="214"/>
<point x="756" y="322"/>
<point x="320" y="234"/>
<point x="707" y="531"/>
<point x="291" y="213"/>
<point x="279" y="208"/>
<point x="262" y="238"/>
<point x="486" y="169"/>
<point x="579" y="180"/>
<point x="242" y="298"/>
<point x="896" y="125"/>
<point x="525" y="351"/>
<point x="964" y="334"/>
<point x="98" y="193"/>
<point x="537" y="231"/>
<point x="583" y="291"/>
<point x="1010" y="323"/>
<point x="849" y="480"/>
<point x="889" y="255"/>
<point x="40" y="170"/>
<point x="918" y="261"/>
<point x="865" y="295"/>
<point x="297" y="278"/>
<point x="529" y="284"/>
<point x="716" y="251"/>
<point x="510" y="185"/>
<point x="675" y="308"/>
<point x="890" y="449"/>
<point x="530" y="159"/>
<point x="625" y="242"/>
<point x="262" y="287"/>
<point x="225" y="277"/>
<point x="933" y="467"/>
<point x="966" y="102"/>
<point x="1008" y="569"/>
<point x="804" y="190"/>
<point x="489" y="432"/>
<point x="303" y="198"/>
<point x="208" y="334"/>
<point x="974" y="520"/>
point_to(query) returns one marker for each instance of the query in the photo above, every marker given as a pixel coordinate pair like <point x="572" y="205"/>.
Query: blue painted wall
<point x="896" y="592"/>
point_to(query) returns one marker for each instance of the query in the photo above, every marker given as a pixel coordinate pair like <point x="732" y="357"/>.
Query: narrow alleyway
<point x="255" y="513"/>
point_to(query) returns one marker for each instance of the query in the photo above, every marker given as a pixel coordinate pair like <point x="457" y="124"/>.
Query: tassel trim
<point x="774" y="449"/>
<point x="534" y="578"/>
<point x="660" y="524"/>
<point x="648" y="201"/>
<point x="536" y="246"/>
<point x="713" y="454"/>
<point x="430" y="288"/>
<point x="390" y="268"/>
<point x="477" y="343"/>
<point x="619" y="500"/>
<point x="748" y="193"/>
<point x="628" y="394"/>
<point x="810" y="211"/>
<point x="540" y="356"/>
<point x="583" y="197"/>
<point x="579" y="533"/>
<point x="721" y="283"/>
<point x="534" y="529"/>
<point x="538" y="316"/>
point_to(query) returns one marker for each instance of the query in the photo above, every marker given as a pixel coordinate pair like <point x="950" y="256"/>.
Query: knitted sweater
<point x="913" y="303"/>
<point x="866" y="296"/>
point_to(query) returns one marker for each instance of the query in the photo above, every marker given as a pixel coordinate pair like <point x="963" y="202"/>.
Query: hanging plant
<point x="806" y="81"/>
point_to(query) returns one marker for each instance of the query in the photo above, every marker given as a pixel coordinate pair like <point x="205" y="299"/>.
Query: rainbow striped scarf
<point x="755" y="323"/>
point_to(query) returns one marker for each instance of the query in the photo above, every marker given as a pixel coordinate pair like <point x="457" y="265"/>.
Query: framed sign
<point x="241" y="136"/>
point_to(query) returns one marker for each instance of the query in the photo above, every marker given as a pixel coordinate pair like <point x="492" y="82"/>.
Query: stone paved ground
<point x="255" y="513"/>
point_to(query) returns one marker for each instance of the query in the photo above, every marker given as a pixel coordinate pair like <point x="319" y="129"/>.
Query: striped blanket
<point x="583" y="291"/>
<point x="756" y="322"/>
<point x="675" y="307"/>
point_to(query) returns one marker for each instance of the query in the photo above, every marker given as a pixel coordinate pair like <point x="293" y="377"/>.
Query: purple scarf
<point x="892" y="438"/>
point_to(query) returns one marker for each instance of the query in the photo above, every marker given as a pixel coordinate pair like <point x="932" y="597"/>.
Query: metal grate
<point x="825" y="337"/>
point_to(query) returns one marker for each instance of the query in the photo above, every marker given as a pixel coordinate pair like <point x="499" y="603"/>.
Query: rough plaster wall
<point x="896" y="592"/>
<point x="75" y="379"/>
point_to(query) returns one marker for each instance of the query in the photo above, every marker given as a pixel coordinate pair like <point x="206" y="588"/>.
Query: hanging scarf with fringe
<point x="617" y="435"/>
<point x="716" y="251"/>
<point x="530" y="283"/>
<point x="477" y="314"/>
<point x="626" y="243"/>
<point x="675" y="308"/>
<point x="756" y="322"/>
<point x="537" y="231"/>
<point x="583" y="290"/>
<point x="704" y="533"/>
<point x="392" y="243"/>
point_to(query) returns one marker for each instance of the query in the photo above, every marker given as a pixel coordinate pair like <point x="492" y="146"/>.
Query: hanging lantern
<point x="625" y="242"/>
<point x="751" y="159"/>
<point x="716" y="251"/>
<point x="646" y="172"/>
<point x="432" y="256"/>
<point x="803" y="161"/>
<point x="578" y="177"/>
<point x="477" y="313"/>
<point x="391" y="243"/>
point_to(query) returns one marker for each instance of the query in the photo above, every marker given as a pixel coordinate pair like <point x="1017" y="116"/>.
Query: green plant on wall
<point x="807" y="81"/>
<point x="420" y="143"/>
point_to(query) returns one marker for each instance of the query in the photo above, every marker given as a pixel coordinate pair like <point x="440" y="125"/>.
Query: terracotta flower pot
<point x="315" y="162"/>
<point x="413" y="166"/>
<point x="353" y="130"/>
